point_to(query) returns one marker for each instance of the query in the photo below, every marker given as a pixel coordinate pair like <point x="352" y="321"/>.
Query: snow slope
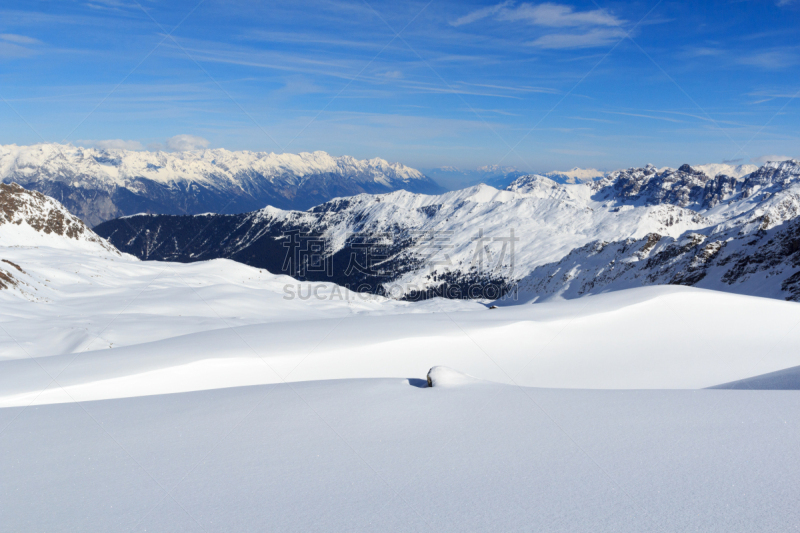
<point x="380" y="455"/>
<point x="644" y="338"/>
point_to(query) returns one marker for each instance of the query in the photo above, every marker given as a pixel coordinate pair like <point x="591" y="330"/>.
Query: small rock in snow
<point x="442" y="376"/>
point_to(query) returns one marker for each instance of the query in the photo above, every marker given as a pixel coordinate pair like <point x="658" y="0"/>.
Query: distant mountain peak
<point x="575" y="175"/>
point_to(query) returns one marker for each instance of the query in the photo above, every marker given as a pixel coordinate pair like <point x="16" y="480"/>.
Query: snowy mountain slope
<point x="462" y="239"/>
<point x="32" y="220"/>
<point x="71" y="301"/>
<point x="752" y="249"/>
<point x="98" y="185"/>
<point x="464" y="232"/>
<point x="380" y="455"/>
<point x="622" y="340"/>
<point x="763" y="263"/>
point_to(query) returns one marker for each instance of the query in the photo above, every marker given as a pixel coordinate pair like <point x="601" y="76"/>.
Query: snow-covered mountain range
<point x="411" y="244"/>
<point x="99" y="185"/>
<point x="178" y="396"/>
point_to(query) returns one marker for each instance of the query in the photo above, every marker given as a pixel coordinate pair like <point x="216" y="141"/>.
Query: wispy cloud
<point x="588" y="29"/>
<point x="111" y="5"/>
<point x="495" y="111"/>
<point x="15" y="46"/>
<point x="111" y="144"/>
<point x="18" y="39"/>
<point x="767" y="158"/>
<point x="592" y="119"/>
<point x="653" y="117"/>
<point x="557" y="16"/>
<point x="521" y="88"/>
<point x="479" y="14"/>
<point x="775" y="59"/>
<point x="184" y="142"/>
<point x="591" y="39"/>
<point x="768" y="97"/>
<point x="704" y="51"/>
<point x="547" y="14"/>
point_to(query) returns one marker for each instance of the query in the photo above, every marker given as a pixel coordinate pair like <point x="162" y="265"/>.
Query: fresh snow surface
<point x="381" y="455"/>
<point x="145" y="396"/>
<point x="71" y="301"/>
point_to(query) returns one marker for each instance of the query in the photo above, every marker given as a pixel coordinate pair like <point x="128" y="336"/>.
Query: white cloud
<point x="557" y="16"/>
<point x="666" y="119"/>
<point x="590" y="39"/>
<point x="776" y="59"/>
<point x="480" y="14"/>
<point x="112" y="144"/>
<point x="18" y="39"/>
<point x="181" y="143"/>
<point x="547" y="14"/>
<point x="592" y="28"/>
<point x="766" y="158"/>
<point x="15" y="46"/>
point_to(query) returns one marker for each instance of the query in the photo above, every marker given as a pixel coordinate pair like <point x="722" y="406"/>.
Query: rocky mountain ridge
<point x="28" y="218"/>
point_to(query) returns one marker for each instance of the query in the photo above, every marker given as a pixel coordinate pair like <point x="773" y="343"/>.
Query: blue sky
<point x="538" y="86"/>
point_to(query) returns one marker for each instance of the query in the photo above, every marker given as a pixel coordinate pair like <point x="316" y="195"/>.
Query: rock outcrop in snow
<point x="29" y="218"/>
<point x="99" y="185"/>
<point x="443" y="376"/>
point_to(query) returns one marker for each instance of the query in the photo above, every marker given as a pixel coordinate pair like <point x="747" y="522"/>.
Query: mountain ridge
<point x="101" y="184"/>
